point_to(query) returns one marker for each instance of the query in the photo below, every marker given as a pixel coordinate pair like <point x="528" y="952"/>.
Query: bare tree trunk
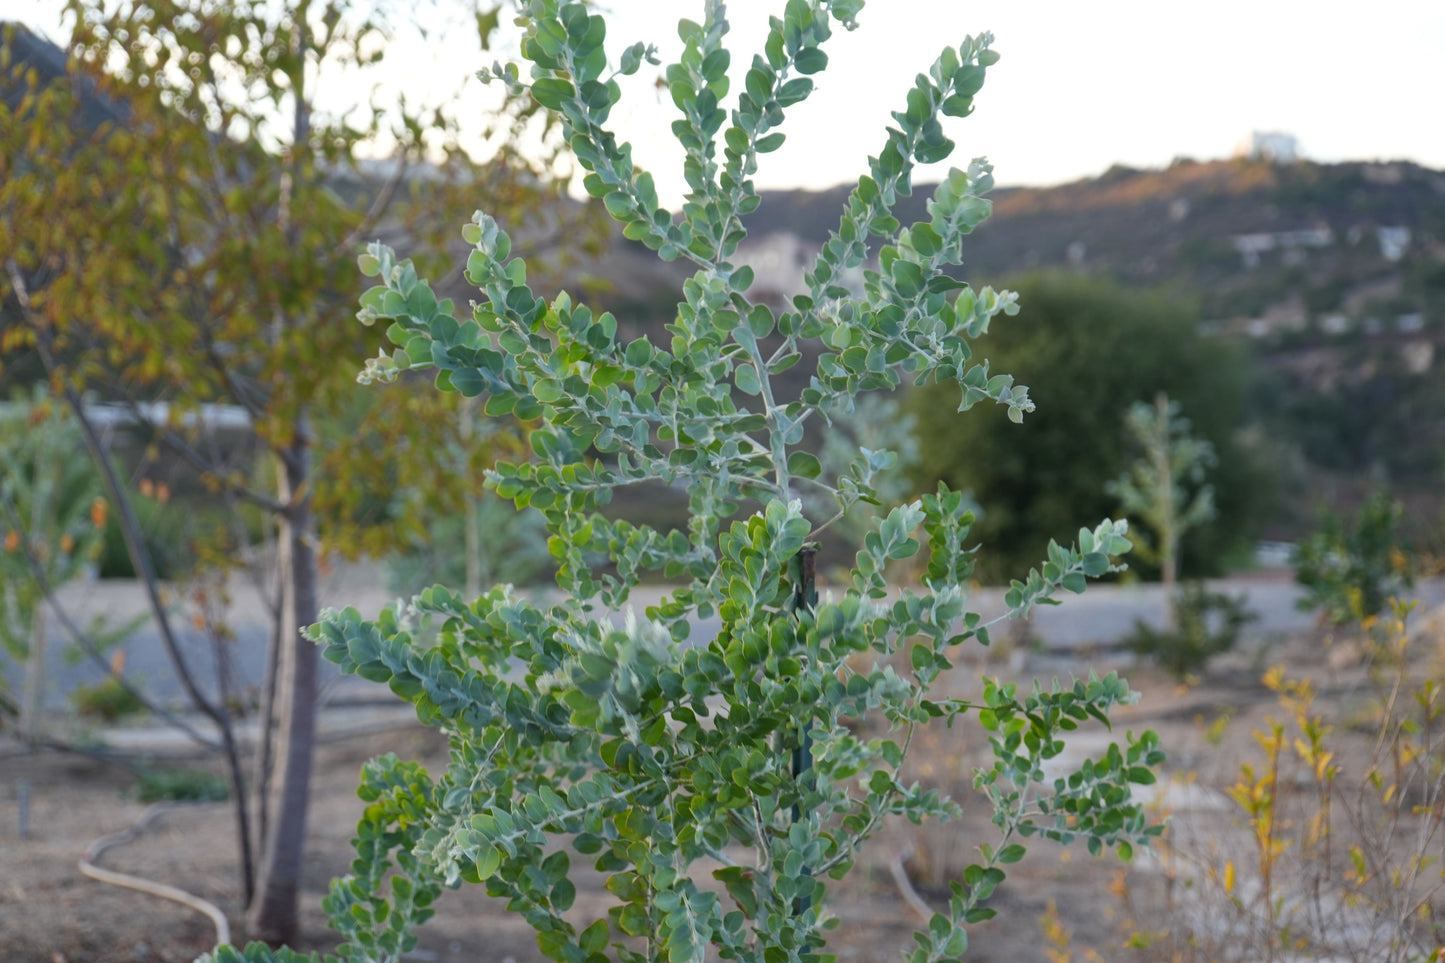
<point x="266" y="719"/>
<point x="150" y="581"/>
<point x="272" y="915"/>
<point x="1170" y="579"/>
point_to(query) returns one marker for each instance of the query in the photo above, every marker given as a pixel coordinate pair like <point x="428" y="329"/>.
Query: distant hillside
<point x="1268" y="250"/>
<point x="23" y="46"/>
<point x="1303" y="240"/>
<point x="1334" y="272"/>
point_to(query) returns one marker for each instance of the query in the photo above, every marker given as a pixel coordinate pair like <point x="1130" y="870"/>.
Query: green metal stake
<point x="805" y="597"/>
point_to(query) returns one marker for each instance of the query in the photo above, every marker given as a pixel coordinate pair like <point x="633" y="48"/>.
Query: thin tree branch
<point x="86" y="645"/>
<point x="239" y="802"/>
<point x="379" y="205"/>
<point x="177" y="443"/>
<point x="239" y="391"/>
<point x="130" y="526"/>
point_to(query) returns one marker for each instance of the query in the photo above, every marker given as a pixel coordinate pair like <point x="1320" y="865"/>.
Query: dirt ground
<point x="49" y="913"/>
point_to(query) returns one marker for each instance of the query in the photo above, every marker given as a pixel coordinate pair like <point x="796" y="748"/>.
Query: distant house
<point x="1418" y="356"/>
<point x="1394" y="241"/>
<point x="779" y="261"/>
<point x="1251" y="246"/>
<point x="1270" y="145"/>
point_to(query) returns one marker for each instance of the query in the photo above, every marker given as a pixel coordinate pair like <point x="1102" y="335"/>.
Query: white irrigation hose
<point x="98" y="848"/>
<point x="218" y="919"/>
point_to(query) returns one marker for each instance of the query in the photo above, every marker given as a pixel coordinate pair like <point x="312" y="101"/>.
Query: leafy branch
<point x="574" y="732"/>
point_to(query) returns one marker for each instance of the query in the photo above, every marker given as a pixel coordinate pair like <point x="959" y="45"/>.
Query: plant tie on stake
<point x="660" y="762"/>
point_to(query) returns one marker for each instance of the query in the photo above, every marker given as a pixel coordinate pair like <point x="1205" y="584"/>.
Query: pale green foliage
<point x="571" y="733"/>
<point x="1165" y="487"/>
<point x="514" y="549"/>
<point x="875" y="423"/>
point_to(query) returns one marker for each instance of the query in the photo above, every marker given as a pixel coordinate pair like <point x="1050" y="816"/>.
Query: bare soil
<point x="50" y="913"/>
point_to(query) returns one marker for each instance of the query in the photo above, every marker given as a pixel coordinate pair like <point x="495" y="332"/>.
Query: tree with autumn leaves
<point x="180" y="212"/>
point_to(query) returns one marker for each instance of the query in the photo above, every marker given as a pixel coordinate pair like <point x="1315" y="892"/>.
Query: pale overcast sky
<point x="1080" y="86"/>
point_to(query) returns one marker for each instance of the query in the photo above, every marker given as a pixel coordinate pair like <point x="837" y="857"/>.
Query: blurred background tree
<point x="1163" y="492"/>
<point x="1088" y="348"/>
<point x="181" y="203"/>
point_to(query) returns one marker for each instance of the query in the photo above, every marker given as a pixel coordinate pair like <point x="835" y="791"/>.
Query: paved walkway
<point x="1099" y="618"/>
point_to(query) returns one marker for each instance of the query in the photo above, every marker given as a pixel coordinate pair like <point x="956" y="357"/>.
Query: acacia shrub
<point x="657" y="760"/>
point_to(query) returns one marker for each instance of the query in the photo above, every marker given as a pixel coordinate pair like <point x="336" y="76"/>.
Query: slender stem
<point x="207" y="469"/>
<point x="775" y="434"/>
<point x="765" y="854"/>
<point x="1168" y="522"/>
<point x="856" y="840"/>
<point x="379" y="204"/>
<point x="833" y="520"/>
